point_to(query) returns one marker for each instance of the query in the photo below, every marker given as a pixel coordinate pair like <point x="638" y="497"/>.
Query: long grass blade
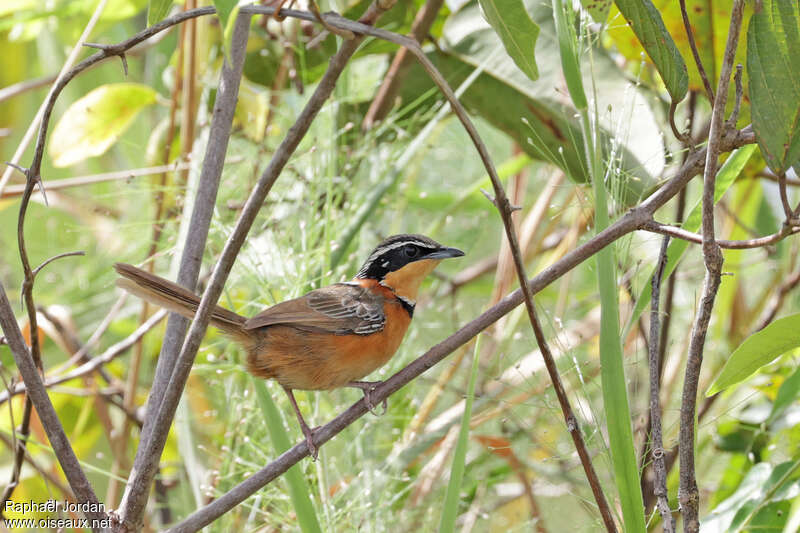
<point x="298" y="488"/>
<point x="451" y="500"/>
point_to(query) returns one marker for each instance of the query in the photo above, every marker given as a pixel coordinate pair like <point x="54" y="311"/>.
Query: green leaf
<point x="92" y="124"/>
<point x="157" y="10"/>
<point x="516" y="29"/>
<point x="645" y="21"/>
<point x="598" y="9"/>
<point x="727" y="175"/>
<point x="773" y="66"/>
<point x="757" y="350"/>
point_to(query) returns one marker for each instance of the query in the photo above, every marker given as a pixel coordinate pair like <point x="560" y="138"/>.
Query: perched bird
<point x="328" y="338"/>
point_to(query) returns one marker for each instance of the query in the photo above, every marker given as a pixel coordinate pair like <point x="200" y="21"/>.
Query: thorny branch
<point x="688" y="494"/>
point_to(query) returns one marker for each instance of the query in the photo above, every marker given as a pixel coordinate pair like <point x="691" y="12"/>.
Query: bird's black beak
<point x="444" y="253"/>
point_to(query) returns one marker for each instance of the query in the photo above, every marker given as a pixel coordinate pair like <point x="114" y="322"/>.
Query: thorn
<point x="124" y="63"/>
<point x="40" y="183"/>
<point x="98" y="46"/>
<point x="16" y="166"/>
<point x="489" y="196"/>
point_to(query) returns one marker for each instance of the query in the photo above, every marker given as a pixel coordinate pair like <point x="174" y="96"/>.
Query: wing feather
<point x="343" y="308"/>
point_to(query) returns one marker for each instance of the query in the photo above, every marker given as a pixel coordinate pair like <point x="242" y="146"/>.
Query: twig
<point x="785" y="288"/>
<point x="95" y="363"/>
<point x="660" y="482"/>
<point x="16" y="190"/>
<point x="54" y="258"/>
<point x="759" y="242"/>
<point x="690" y="35"/>
<point x="787" y="209"/>
<point x="688" y="494"/>
<point x="47" y="414"/>
<point x="737" y="104"/>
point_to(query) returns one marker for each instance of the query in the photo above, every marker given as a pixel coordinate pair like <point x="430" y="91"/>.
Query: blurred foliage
<point x="342" y="191"/>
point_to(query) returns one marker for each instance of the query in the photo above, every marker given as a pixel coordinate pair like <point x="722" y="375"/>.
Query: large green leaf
<point x="516" y="29"/>
<point x="536" y="114"/>
<point x="92" y="124"/>
<point x="757" y="350"/>
<point x="645" y="21"/>
<point x="773" y="66"/>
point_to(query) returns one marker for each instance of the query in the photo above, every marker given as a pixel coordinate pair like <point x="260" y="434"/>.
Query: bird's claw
<point x="368" y="387"/>
<point x="371" y="407"/>
<point x="313" y="451"/>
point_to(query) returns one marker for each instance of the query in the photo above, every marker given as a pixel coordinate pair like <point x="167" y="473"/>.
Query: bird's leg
<point x="307" y="431"/>
<point x="367" y="387"/>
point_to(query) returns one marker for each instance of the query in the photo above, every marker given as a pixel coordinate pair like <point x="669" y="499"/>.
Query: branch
<point x="660" y="482"/>
<point x="47" y="414"/>
<point x="506" y="209"/>
<point x="759" y="242"/>
<point x="149" y="454"/>
<point x="164" y="390"/>
<point x="688" y="494"/>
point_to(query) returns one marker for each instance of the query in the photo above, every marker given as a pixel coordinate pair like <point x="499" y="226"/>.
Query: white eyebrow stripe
<point x="383" y="249"/>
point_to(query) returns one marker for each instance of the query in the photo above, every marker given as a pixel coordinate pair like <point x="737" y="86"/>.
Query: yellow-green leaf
<point x="92" y="124"/>
<point x="645" y="21"/>
<point x="758" y="350"/>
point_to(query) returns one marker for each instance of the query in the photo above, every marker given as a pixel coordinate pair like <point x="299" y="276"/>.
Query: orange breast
<point x="316" y="361"/>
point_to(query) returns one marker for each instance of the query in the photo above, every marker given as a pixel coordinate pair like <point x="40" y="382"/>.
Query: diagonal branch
<point x="149" y="453"/>
<point x="47" y="414"/>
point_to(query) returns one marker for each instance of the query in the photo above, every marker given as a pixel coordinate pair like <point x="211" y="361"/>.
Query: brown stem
<point x="688" y="494"/>
<point x="657" y="450"/>
<point x="693" y="45"/>
<point x="759" y="242"/>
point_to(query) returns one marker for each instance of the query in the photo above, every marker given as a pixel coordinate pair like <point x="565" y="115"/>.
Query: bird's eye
<point x="411" y="251"/>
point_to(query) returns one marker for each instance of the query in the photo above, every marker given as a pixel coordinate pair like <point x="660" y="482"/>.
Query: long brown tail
<point x="169" y="295"/>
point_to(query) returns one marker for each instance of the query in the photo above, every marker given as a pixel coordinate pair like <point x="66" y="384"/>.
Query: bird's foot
<point x="368" y="387"/>
<point x="313" y="451"/>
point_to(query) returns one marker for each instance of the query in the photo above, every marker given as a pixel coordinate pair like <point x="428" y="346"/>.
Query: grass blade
<point x="298" y="488"/>
<point x="450" y="509"/>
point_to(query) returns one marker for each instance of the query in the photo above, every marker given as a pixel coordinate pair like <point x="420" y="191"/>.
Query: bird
<point x="328" y="338"/>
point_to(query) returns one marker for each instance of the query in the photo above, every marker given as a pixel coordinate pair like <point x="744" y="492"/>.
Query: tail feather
<point x="172" y="296"/>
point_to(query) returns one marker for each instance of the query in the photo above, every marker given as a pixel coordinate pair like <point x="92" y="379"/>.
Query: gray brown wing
<point x="342" y="309"/>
